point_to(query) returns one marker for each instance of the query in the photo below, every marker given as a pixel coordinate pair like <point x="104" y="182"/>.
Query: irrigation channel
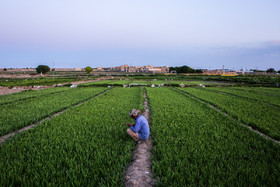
<point x="139" y="173"/>
<point x="226" y="114"/>
<point x="5" y="137"/>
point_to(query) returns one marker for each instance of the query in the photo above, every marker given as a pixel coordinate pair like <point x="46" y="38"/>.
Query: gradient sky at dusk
<point x="201" y="34"/>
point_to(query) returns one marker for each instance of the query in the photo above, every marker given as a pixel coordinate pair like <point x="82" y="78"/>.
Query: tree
<point x="88" y="69"/>
<point x="278" y="71"/>
<point x="198" y="71"/>
<point x="5" y="69"/>
<point x="43" y="69"/>
<point x="182" y="69"/>
<point x="270" y="70"/>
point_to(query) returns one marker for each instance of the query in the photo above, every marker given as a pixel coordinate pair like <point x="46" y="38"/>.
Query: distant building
<point x="153" y="69"/>
<point x="99" y="69"/>
<point x="143" y="69"/>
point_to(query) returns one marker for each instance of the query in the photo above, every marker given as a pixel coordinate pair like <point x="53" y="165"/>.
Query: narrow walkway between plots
<point x="5" y="137"/>
<point x="226" y="114"/>
<point x="139" y="173"/>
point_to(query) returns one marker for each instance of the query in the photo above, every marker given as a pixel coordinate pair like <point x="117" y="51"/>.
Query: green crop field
<point x="259" y="115"/>
<point x="140" y="82"/>
<point x="34" y="81"/>
<point x="106" y="83"/>
<point x="194" y="143"/>
<point x="28" y="94"/>
<point x="23" y="113"/>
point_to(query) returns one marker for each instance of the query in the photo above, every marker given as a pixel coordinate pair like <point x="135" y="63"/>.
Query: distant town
<point x="150" y="69"/>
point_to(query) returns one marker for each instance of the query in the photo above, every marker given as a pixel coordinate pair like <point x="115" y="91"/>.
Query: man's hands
<point x="128" y="124"/>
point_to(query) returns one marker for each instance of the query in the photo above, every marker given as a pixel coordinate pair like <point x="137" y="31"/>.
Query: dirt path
<point x="5" y="137"/>
<point x="226" y="114"/>
<point x="139" y="173"/>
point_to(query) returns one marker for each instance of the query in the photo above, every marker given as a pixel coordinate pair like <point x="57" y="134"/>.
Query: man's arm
<point x="130" y="125"/>
<point x="136" y="127"/>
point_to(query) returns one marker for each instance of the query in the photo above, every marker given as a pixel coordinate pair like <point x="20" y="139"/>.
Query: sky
<point x="201" y="34"/>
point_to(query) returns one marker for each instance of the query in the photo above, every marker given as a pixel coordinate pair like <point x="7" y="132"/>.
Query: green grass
<point x="267" y="95"/>
<point x="34" y="81"/>
<point x="106" y="83"/>
<point x="197" y="83"/>
<point x="28" y="94"/>
<point x="20" y="114"/>
<point x="259" y="115"/>
<point x="158" y="82"/>
<point x="140" y="82"/>
<point x="85" y="146"/>
<point x="194" y="145"/>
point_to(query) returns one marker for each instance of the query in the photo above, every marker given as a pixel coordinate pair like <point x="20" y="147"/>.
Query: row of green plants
<point x="261" y="90"/>
<point x="34" y="81"/>
<point x="28" y="94"/>
<point x="85" y="146"/>
<point x="194" y="145"/>
<point x="175" y="83"/>
<point x="20" y="114"/>
<point x="140" y="82"/>
<point x="195" y="83"/>
<point x="267" y="95"/>
<point x="115" y="83"/>
<point x="259" y="79"/>
<point x="254" y="79"/>
<point x="258" y="115"/>
<point x="105" y="83"/>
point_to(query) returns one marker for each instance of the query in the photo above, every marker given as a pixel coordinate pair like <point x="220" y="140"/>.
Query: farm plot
<point x="85" y="146"/>
<point x="20" y="114"/>
<point x="33" y="82"/>
<point x="106" y="83"/>
<point x="258" y="115"/>
<point x="139" y="82"/>
<point x="10" y="98"/>
<point x="122" y="82"/>
<point x="269" y="96"/>
<point x="196" y="145"/>
<point x="193" y="83"/>
<point x="261" y="90"/>
<point x="159" y="82"/>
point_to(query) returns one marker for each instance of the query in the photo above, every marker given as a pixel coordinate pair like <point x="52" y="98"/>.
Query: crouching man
<point x="139" y="131"/>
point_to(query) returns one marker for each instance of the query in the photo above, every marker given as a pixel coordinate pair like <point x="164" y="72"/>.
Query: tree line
<point x="185" y="69"/>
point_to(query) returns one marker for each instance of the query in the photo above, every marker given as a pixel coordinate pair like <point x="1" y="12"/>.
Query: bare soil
<point x="139" y="173"/>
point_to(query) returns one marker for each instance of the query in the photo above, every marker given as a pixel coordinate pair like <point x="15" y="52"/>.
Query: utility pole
<point x="53" y="69"/>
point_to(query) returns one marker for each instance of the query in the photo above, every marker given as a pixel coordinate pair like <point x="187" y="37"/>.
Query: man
<point x="139" y="131"/>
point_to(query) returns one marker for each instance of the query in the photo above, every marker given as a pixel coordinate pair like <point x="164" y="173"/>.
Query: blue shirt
<point x="142" y="127"/>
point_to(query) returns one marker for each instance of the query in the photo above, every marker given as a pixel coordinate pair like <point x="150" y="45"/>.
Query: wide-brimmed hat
<point x="134" y="112"/>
